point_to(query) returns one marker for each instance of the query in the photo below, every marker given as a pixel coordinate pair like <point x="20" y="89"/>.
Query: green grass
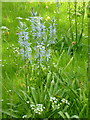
<point x="64" y="76"/>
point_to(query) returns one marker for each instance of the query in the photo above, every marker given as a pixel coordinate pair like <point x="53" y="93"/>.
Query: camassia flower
<point x="24" y="41"/>
<point x="65" y="101"/>
<point x="52" y="32"/>
<point x="52" y="28"/>
<point x="41" y="39"/>
<point x="38" y="28"/>
<point x="41" y="53"/>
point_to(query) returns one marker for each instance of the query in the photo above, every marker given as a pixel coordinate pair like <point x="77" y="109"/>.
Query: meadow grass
<point x="64" y="76"/>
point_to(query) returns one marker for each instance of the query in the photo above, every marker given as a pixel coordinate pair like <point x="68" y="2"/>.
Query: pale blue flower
<point x="24" y="41"/>
<point x="38" y="28"/>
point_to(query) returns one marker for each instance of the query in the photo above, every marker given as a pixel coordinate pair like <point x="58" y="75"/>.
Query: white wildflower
<point x="38" y="108"/>
<point x="4" y="28"/>
<point x="19" y="18"/>
<point x="53" y="99"/>
<point x="27" y="102"/>
<point x="24" y="116"/>
<point x="65" y="101"/>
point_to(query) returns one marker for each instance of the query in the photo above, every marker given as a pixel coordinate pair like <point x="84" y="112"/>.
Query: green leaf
<point x="65" y="109"/>
<point x="18" y="95"/>
<point x="26" y="95"/>
<point x="75" y="116"/>
<point x="34" y="94"/>
<point x="51" y="89"/>
<point x="69" y="63"/>
<point x="81" y="113"/>
<point x="48" y="80"/>
<point x="67" y="115"/>
<point x="60" y="57"/>
<point x="61" y="114"/>
<point x="52" y="113"/>
<point x="9" y="113"/>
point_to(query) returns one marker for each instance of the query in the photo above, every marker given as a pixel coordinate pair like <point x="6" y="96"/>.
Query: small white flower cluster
<point x="53" y="99"/>
<point x="55" y="104"/>
<point x="38" y="108"/>
<point x="16" y="50"/>
<point x="65" y="101"/>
